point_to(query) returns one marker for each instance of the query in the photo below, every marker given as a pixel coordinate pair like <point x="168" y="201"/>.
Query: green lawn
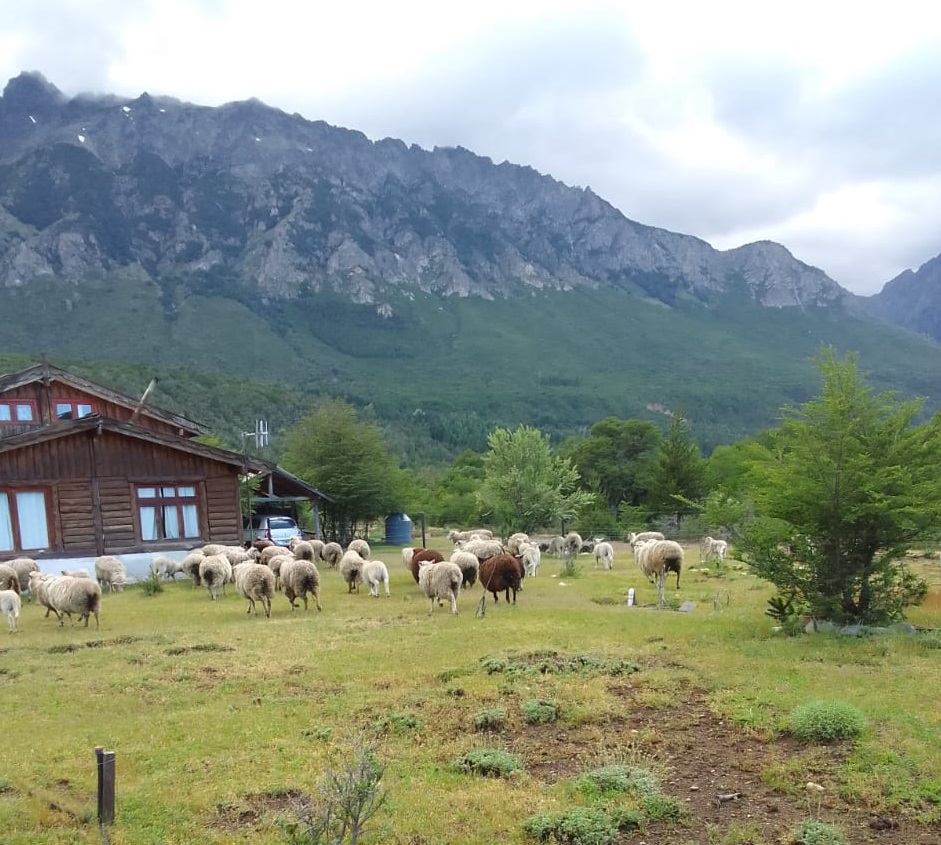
<point x="217" y="718"/>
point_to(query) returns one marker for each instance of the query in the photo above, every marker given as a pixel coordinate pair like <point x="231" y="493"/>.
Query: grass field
<point x="220" y="720"/>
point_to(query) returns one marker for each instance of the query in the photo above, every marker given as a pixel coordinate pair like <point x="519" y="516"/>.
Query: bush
<point x="401" y="722"/>
<point x="490" y="719"/>
<point x="618" y="779"/>
<point x="811" y="832"/>
<point x="578" y="826"/>
<point x="152" y="586"/>
<point x="826" y="721"/>
<point x="489" y="762"/>
<point x="539" y="712"/>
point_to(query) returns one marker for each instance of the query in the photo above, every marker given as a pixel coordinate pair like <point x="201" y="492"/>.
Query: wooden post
<point x="424" y="544"/>
<point x="105" y="785"/>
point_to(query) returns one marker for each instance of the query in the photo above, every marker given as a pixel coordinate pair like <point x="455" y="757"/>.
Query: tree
<point x="347" y="459"/>
<point x="846" y="485"/>
<point x="614" y="461"/>
<point x="525" y="486"/>
<point x="678" y="475"/>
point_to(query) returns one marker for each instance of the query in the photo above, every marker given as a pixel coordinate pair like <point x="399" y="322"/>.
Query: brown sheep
<point x="427" y="555"/>
<point x="499" y="573"/>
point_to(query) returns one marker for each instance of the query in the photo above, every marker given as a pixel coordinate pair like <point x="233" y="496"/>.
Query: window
<point x="68" y="409"/>
<point x="168" y="512"/>
<point x="23" y="522"/>
<point x="14" y="412"/>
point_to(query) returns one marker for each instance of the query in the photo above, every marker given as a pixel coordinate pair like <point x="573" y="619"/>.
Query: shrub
<point x="826" y="721"/>
<point x="577" y="826"/>
<point x="618" y="779"/>
<point x="489" y="762"/>
<point x="401" y="722"/>
<point x="811" y="832"/>
<point x="539" y="712"/>
<point x="490" y="719"/>
<point x="152" y="586"/>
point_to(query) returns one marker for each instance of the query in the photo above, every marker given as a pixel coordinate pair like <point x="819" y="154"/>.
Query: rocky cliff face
<point x="911" y="300"/>
<point x="247" y="196"/>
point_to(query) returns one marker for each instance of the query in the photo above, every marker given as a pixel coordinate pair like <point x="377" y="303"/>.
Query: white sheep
<point x="712" y="549"/>
<point x="276" y="562"/>
<point x="213" y="549"/>
<point x="9" y="580"/>
<point x="81" y="572"/>
<point x="332" y="552"/>
<point x="571" y="546"/>
<point x="23" y="566"/>
<point x="375" y="574"/>
<point x="604" y="555"/>
<point x="351" y="568"/>
<point x="111" y="572"/>
<point x="190" y="566"/>
<point x="37" y="589"/>
<point x="482" y="549"/>
<point x="214" y="572"/>
<point x="10" y="607"/>
<point x="656" y="558"/>
<point x="515" y="541"/>
<point x="440" y="581"/>
<point x="530" y="557"/>
<point x="634" y="539"/>
<point x="407" y="553"/>
<point x="238" y="554"/>
<point x="68" y="595"/>
<point x="269" y="552"/>
<point x="470" y="566"/>
<point x="165" y="567"/>
<point x="361" y="547"/>
<point x="255" y="582"/>
<point x="555" y="545"/>
<point x="298" y="578"/>
<point x="302" y="549"/>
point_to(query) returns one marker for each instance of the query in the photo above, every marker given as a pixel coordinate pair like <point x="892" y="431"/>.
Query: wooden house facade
<point x="87" y="471"/>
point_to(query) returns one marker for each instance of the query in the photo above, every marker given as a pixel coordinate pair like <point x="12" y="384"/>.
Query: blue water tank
<point x="398" y="529"/>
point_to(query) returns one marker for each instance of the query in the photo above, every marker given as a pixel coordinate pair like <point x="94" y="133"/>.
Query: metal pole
<point x="105" y="785"/>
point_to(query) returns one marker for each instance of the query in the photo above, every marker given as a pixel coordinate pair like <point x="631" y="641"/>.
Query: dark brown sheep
<point x="501" y="573"/>
<point x="429" y="555"/>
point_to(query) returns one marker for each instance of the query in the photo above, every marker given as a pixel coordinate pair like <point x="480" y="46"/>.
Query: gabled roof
<point x="286" y="486"/>
<point x="47" y="373"/>
<point x="70" y="428"/>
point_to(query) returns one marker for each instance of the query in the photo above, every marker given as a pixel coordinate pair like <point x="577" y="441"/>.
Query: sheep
<point x="470" y="566"/>
<point x="301" y="549"/>
<point x="530" y="556"/>
<point x="81" y="572"/>
<point x="657" y="557"/>
<point x="214" y="571"/>
<point x="555" y="545"/>
<point x="213" y="549"/>
<point x="462" y="536"/>
<point x="482" y="548"/>
<point x="10" y="607"/>
<point x="165" y="567"/>
<point x="236" y="554"/>
<point x="500" y="573"/>
<point x="571" y="546"/>
<point x="407" y="553"/>
<point x="23" y="566"/>
<point x="255" y="582"/>
<point x="111" y="572"/>
<point x="37" y="589"/>
<point x="68" y="595"/>
<point x="298" y="578"/>
<point x="268" y="553"/>
<point x="604" y="555"/>
<point x="190" y="566"/>
<point x="276" y="563"/>
<point x="376" y="575"/>
<point x="514" y="542"/>
<point x="361" y="547"/>
<point x="709" y="549"/>
<point x="332" y="552"/>
<point x="351" y="568"/>
<point x="9" y="580"/>
<point x="439" y="581"/>
<point x="634" y="539"/>
<point x="426" y="556"/>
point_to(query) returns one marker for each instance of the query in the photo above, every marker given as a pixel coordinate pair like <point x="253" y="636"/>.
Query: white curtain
<point x="6" y="524"/>
<point x="34" y="530"/>
<point x="190" y="521"/>
<point x="148" y="523"/>
<point x="171" y="523"/>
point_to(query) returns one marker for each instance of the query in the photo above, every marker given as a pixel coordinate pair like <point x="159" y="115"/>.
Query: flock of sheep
<point x="260" y="571"/>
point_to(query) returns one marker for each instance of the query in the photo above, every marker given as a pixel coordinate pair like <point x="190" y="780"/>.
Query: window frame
<point x="16" y="527"/>
<point x="11" y="406"/>
<point x="166" y="504"/>
<point x="73" y="408"/>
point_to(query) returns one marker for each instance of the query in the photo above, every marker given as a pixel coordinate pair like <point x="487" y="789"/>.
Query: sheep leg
<point x="266" y="603"/>
<point x="317" y="599"/>
<point x="453" y="602"/>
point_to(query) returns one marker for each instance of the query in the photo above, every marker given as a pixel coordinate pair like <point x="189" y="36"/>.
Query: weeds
<point x="489" y="762"/>
<point x="826" y="721"/>
<point x="538" y="712"/>
<point x="811" y="832"/>
<point x="490" y="719"/>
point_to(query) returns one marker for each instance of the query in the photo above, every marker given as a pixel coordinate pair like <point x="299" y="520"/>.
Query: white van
<point x="271" y="526"/>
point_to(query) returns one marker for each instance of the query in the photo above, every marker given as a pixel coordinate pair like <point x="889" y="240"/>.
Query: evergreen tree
<point x="678" y="475"/>
<point x="846" y="485"/>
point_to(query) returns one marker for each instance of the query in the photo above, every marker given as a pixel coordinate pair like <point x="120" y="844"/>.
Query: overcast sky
<point x="814" y="124"/>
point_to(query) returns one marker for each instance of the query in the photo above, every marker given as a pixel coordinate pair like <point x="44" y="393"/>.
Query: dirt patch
<point x="256" y="809"/>
<point x="716" y="770"/>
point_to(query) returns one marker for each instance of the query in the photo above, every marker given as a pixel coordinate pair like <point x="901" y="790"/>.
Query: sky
<point x="813" y="124"/>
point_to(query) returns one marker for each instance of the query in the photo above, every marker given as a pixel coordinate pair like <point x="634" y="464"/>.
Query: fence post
<point x="105" y="785"/>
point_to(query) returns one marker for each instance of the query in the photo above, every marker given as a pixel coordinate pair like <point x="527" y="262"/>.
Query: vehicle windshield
<point x="281" y="522"/>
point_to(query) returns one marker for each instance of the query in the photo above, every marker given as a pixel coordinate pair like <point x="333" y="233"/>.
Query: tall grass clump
<point x="812" y="832"/>
<point x="826" y="721"/>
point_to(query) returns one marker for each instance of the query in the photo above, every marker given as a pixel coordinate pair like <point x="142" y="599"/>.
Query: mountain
<point x="912" y="300"/>
<point x="433" y="288"/>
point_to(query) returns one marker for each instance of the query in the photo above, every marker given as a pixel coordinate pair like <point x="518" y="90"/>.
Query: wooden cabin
<point x="85" y="470"/>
